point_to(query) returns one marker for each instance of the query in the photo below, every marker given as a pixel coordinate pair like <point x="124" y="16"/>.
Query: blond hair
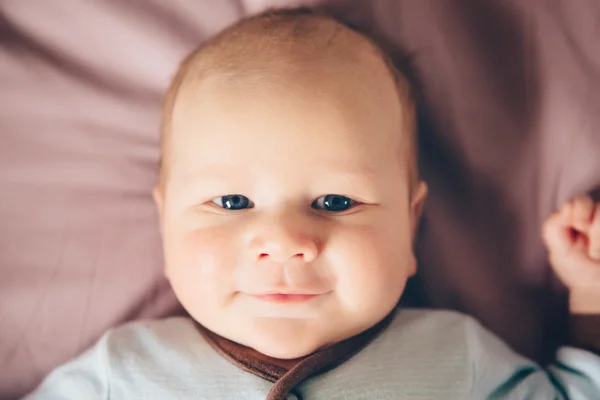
<point x="286" y="37"/>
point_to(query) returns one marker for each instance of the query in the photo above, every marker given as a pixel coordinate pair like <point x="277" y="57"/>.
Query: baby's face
<point x="286" y="218"/>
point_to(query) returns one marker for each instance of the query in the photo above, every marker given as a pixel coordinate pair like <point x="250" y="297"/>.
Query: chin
<point x="285" y="351"/>
<point x="286" y="344"/>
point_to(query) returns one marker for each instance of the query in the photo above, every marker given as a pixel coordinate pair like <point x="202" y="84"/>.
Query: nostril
<point x="263" y="255"/>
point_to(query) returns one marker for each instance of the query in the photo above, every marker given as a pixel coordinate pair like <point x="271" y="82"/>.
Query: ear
<point x="416" y="206"/>
<point x="416" y="209"/>
<point x="157" y="195"/>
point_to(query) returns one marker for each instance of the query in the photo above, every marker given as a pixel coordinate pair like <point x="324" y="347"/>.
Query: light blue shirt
<point x="421" y="355"/>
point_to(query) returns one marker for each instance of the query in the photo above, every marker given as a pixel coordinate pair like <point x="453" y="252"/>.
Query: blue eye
<point x="333" y="203"/>
<point x="233" y="202"/>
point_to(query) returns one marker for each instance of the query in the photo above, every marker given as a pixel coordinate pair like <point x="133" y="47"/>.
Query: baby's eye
<point x="233" y="202"/>
<point x="333" y="203"/>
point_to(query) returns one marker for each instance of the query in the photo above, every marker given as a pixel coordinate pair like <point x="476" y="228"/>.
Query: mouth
<point x="285" y="297"/>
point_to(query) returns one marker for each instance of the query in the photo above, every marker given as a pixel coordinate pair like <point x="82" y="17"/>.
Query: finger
<point x="567" y="210"/>
<point x="580" y="245"/>
<point x="582" y="212"/>
<point x="574" y="267"/>
<point x="580" y="267"/>
<point x="594" y="235"/>
<point x="557" y="234"/>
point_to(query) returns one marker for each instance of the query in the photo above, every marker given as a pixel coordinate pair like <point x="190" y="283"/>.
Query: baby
<point x="289" y="198"/>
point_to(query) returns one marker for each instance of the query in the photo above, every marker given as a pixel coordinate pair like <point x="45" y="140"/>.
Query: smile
<point x="285" y="297"/>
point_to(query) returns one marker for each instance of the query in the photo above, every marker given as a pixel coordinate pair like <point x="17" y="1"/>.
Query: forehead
<point x="347" y="117"/>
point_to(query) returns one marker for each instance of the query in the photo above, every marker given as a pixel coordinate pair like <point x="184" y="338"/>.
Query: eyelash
<point x="332" y="199"/>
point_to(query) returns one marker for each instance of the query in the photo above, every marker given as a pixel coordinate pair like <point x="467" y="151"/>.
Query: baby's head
<point x="288" y="193"/>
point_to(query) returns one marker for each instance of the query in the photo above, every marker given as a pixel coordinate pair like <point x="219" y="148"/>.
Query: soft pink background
<point x="511" y="129"/>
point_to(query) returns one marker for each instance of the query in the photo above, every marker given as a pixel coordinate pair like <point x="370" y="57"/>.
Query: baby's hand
<point x="572" y="236"/>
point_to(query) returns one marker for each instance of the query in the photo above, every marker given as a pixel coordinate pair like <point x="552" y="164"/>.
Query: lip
<point x="285" y="297"/>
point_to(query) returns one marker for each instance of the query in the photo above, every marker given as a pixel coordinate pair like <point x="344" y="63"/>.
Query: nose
<point x="284" y="239"/>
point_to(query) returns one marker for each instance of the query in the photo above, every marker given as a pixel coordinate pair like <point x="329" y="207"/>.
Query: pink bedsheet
<point x="511" y="128"/>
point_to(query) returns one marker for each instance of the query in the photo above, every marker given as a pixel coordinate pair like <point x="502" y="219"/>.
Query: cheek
<point x="200" y="262"/>
<point x="371" y="264"/>
<point x="206" y="251"/>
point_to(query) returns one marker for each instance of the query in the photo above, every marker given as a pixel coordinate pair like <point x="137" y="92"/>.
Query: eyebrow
<point x="226" y="170"/>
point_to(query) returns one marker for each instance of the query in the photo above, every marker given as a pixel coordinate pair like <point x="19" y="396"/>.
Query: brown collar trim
<point x="242" y="356"/>
<point x="285" y="380"/>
